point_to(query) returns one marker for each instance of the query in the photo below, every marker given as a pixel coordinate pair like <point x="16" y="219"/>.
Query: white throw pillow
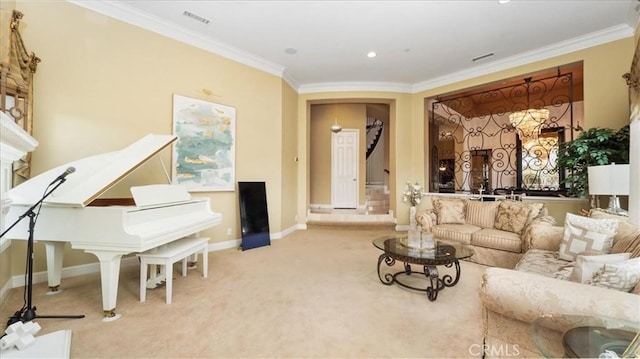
<point x="621" y="276"/>
<point x="587" y="266"/>
<point x="586" y="234"/>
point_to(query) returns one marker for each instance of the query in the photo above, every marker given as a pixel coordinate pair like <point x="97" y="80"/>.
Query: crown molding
<point x="118" y="11"/>
<point x="286" y="76"/>
<point x="579" y="43"/>
<point x="561" y="48"/>
<point x="355" y="86"/>
<point x="151" y="23"/>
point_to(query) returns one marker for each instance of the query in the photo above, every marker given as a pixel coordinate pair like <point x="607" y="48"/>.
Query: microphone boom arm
<point x="30" y="210"/>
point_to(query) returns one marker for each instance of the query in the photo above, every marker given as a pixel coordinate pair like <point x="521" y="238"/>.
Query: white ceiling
<point x="420" y="44"/>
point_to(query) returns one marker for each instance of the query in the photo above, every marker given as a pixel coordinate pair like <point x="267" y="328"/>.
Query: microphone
<point x="64" y="174"/>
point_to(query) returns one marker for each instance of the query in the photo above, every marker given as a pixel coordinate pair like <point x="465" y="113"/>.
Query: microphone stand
<point x="28" y="313"/>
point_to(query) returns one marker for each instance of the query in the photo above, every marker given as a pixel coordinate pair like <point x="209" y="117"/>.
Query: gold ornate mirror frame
<point x="17" y="67"/>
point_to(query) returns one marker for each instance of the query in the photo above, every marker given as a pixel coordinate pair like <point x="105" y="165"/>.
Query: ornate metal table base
<point x="436" y="283"/>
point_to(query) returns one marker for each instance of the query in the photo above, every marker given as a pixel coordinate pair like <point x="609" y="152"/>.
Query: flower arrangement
<point x="413" y="193"/>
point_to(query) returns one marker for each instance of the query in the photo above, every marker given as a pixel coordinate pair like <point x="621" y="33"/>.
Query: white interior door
<point x="344" y="169"/>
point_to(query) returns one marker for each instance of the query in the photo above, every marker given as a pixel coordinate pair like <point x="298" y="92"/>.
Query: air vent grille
<point x="195" y="17"/>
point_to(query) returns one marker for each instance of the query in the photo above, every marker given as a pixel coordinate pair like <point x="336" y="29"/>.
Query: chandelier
<point x="528" y="123"/>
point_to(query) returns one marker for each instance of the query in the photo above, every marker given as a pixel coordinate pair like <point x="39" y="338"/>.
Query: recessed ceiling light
<point x="501" y="2"/>
<point x="371" y="54"/>
<point x="290" y="51"/>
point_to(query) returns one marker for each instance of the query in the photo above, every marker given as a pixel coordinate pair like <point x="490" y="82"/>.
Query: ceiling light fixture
<point x="335" y="128"/>
<point x="528" y="123"/>
<point x="502" y="2"/>
<point x="371" y="54"/>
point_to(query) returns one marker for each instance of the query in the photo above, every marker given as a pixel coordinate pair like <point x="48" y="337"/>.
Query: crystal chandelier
<point x="528" y="123"/>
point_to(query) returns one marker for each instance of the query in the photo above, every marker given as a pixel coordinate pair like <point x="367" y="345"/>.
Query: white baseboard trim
<point x="5" y="290"/>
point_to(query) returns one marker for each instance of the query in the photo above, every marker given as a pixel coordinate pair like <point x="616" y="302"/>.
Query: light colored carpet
<point x="312" y="294"/>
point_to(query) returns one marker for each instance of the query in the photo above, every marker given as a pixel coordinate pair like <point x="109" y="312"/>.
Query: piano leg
<point x="109" y="276"/>
<point x="55" y="255"/>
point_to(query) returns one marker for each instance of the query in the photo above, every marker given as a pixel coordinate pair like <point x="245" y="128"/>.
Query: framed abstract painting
<point x="204" y="154"/>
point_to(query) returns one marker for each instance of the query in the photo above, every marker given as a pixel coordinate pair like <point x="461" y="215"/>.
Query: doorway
<point x="344" y="169"/>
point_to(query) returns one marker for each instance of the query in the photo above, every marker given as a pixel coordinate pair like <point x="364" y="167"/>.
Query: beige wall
<point x="102" y="84"/>
<point x="290" y="162"/>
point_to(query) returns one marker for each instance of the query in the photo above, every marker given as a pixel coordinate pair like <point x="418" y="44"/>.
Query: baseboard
<point x="5" y="290"/>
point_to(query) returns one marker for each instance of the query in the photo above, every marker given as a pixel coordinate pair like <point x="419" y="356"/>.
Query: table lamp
<point x="612" y="180"/>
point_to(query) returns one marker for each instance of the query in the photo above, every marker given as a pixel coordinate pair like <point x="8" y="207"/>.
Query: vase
<point x="412" y="217"/>
<point x="427" y="241"/>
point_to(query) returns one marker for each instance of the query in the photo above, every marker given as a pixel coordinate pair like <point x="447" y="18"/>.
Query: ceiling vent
<point x="195" y="17"/>
<point x="482" y="57"/>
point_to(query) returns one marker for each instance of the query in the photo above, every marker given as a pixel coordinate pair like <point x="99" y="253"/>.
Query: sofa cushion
<point x="537" y="208"/>
<point x="627" y="237"/>
<point x="450" y="211"/>
<point x="586" y="234"/>
<point x="587" y="266"/>
<point x="497" y="239"/>
<point x="512" y="216"/>
<point x="622" y="276"/>
<point x="482" y="214"/>
<point x="457" y="232"/>
<point x="543" y="262"/>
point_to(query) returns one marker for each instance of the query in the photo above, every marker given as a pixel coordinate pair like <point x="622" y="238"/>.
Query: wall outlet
<point x="229" y="231"/>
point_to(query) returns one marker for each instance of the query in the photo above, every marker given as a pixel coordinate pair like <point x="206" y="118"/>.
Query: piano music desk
<point x="166" y="256"/>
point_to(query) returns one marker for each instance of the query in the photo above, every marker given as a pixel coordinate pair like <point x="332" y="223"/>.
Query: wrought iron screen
<point x="476" y="147"/>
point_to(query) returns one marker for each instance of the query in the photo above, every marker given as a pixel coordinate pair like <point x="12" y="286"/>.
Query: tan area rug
<point x="312" y="294"/>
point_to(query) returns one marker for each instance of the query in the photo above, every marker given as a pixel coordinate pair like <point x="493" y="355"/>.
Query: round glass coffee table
<point x="445" y="254"/>
<point x="584" y="336"/>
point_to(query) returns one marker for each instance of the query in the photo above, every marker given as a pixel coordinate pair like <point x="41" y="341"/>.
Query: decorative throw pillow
<point x="627" y="237"/>
<point x="536" y="209"/>
<point x="450" y="211"/>
<point x="586" y="234"/>
<point x="587" y="266"/>
<point x="621" y="276"/>
<point x="481" y="214"/>
<point x="512" y="216"/>
<point x="564" y="272"/>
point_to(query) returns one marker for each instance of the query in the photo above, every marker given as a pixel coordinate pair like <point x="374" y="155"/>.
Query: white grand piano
<point x="106" y="227"/>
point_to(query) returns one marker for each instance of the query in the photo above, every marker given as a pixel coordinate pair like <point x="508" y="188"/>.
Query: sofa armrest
<point x="526" y="297"/>
<point x="427" y="219"/>
<point x="543" y="236"/>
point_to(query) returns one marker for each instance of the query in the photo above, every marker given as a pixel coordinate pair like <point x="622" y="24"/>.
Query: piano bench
<point x="169" y="254"/>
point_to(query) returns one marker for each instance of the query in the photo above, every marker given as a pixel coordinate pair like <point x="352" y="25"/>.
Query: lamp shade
<point x="609" y="179"/>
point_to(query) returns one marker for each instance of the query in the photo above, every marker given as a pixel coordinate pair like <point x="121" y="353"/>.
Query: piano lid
<point x="93" y="175"/>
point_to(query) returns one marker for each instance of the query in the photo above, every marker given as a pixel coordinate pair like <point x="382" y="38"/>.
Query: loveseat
<point x="495" y="230"/>
<point x="549" y="293"/>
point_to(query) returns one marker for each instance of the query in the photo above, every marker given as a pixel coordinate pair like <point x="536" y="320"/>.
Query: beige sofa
<point x="541" y="294"/>
<point x="495" y="230"/>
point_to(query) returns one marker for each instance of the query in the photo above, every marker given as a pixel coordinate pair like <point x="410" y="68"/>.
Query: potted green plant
<point x="593" y="147"/>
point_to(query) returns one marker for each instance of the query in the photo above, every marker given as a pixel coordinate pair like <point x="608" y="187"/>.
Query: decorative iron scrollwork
<point x="474" y="125"/>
